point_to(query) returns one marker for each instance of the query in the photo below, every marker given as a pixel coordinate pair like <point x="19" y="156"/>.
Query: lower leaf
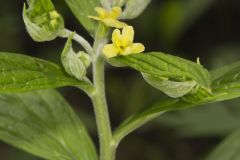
<point x="42" y="123"/>
<point x="21" y="73"/>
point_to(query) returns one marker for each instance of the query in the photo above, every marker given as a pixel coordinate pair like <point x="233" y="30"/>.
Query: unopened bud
<point x="42" y="21"/>
<point x="75" y="64"/>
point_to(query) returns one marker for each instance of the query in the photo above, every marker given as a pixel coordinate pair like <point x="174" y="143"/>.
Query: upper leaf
<point x="134" y="8"/>
<point x="42" y="21"/>
<point x="161" y="66"/>
<point x="42" y="123"/>
<point x="82" y="9"/>
<point x="225" y="86"/>
<point x="20" y="73"/>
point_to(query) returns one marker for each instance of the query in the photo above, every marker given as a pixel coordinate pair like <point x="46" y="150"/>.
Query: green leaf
<point x="21" y="73"/>
<point x="229" y="149"/>
<point x="82" y="9"/>
<point x="42" y="123"/>
<point x="164" y="66"/>
<point x="197" y="98"/>
<point x="171" y="88"/>
<point x="42" y="21"/>
<point x="134" y="8"/>
<point x="226" y="80"/>
<point x="75" y="64"/>
<point x="225" y="86"/>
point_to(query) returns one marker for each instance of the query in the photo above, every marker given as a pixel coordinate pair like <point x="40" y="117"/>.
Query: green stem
<point x="107" y="148"/>
<point x="84" y="43"/>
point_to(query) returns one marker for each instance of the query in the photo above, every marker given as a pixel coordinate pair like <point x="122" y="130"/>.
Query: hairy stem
<point x="107" y="149"/>
<point x="107" y="145"/>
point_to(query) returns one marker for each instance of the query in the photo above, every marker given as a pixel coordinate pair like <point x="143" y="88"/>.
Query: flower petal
<point x="133" y="49"/>
<point x="115" y="12"/>
<point x="127" y="36"/>
<point x="113" y="23"/>
<point x="110" y="50"/>
<point x="101" y="12"/>
<point x="116" y="37"/>
<point x="138" y="48"/>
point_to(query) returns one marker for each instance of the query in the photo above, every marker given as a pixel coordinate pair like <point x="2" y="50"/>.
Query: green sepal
<point x="75" y="64"/>
<point x="133" y="8"/>
<point x="85" y="58"/>
<point x="42" y="21"/>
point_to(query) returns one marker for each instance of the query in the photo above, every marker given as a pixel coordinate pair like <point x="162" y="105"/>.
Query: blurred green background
<point x="209" y="29"/>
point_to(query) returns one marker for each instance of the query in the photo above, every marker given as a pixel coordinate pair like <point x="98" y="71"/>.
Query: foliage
<point x="42" y="123"/>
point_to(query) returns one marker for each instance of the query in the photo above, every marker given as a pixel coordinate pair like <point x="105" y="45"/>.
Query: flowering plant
<point x="41" y="122"/>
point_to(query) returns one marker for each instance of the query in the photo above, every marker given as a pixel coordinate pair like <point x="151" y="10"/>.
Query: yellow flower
<point x="122" y="43"/>
<point x="109" y="18"/>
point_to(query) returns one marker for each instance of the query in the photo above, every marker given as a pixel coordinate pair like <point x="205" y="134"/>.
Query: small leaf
<point x="42" y="21"/>
<point x="21" y="73"/>
<point x="134" y="8"/>
<point x="82" y="9"/>
<point x="172" y="68"/>
<point x="229" y="149"/>
<point x="42" y="123"/>
<point x="171" y="88"/>
<point x="75" y="64"/>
